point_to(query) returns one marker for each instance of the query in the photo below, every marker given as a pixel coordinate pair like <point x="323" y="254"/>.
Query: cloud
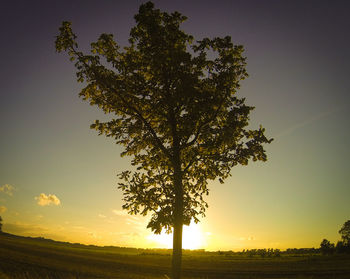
<point x="120" y="212"/>
<point x="47" y="199"/>
<point x="2" y="209"/>
<point x="102" y="216"/>
<point x="7" y="189"/>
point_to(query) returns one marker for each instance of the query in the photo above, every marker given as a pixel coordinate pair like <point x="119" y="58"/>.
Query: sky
<point x="58" y="177"/>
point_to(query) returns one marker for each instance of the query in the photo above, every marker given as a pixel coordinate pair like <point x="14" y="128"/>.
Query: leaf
<point x="174" y="110"/>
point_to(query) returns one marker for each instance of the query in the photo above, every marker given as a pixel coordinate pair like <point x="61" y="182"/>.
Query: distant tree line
<point x="270" y="252"/>
<point x="342" y="246"/>
<point x="326" y="248"/>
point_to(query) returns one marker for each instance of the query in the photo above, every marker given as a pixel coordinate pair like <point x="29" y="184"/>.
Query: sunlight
<point x="192" y="238"/>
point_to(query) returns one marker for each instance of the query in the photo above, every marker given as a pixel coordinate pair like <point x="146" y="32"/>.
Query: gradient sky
<point x="298" y="61"/>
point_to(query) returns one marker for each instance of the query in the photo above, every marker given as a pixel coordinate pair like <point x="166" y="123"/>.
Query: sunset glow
<point x="193" y="238"/>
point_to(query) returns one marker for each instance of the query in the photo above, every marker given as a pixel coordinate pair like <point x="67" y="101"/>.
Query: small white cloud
<point x="2" y="209"/>
<point x="102" y="216"/>
<point x="7" y="189"/>
<point x="44" y="199"/>
<point x="120" y="212"/>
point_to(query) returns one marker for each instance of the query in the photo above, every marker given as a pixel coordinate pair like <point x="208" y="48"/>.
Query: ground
<point x="27" y="258"/>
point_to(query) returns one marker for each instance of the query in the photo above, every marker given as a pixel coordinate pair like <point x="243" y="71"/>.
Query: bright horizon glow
<point x="192" y="238"/>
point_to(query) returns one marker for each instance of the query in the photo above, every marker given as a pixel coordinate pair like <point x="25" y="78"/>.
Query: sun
<point x="192" y="238"/>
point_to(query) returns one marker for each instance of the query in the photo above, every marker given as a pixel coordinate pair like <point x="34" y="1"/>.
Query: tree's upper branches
<point x="166" y="101"/>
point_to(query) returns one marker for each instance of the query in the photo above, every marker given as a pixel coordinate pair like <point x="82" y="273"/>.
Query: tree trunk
<point x="177" y="252"/>
<point x="178" y="206"/>
<point x="178" y="222"/>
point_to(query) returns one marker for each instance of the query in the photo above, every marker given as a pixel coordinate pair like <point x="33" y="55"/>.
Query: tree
<point x="345" y="233"/>
<point x="340" y="248"/>
<point x="174" y="108"/>
<point x="326" y="247"/>
<point x="0" y="224"/>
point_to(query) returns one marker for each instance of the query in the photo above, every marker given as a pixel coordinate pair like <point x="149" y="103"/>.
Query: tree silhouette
<point x="175" y="111"/>
<point x="341" y="247"/>
<point x="0" y="224"/>
<point x="345" y="233"/>
<point x="326" y="247"/>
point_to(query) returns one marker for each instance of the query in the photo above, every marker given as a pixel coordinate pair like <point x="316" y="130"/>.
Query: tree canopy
<point x="326" y="247"/>
<point x="168" y="96"/>
<point x="345" y="233"/>
<point x="175" y="110"/>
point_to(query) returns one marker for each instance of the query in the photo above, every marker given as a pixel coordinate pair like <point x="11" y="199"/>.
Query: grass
<point x="29" y="258"/>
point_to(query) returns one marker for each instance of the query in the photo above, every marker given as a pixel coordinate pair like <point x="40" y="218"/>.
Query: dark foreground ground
<point x="32" y="258"/>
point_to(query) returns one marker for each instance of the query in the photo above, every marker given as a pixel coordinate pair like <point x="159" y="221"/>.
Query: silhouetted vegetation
<point x="0" y="224"/>
<point x="342" y="247"/>
<point x="345" y="233"/>
<point x="326" y="247"/>
<point x="175" y="110"/>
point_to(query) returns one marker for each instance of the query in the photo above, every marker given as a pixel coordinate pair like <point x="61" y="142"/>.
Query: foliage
<point x="301" y="251"/>
<point x="0" y="224"/>
<point x="345" y="233"/>
<point x="174" y="108"/>
<point x="262" y="252"/>
<point x="326" y="247"/>
<point x="341" y="248"/>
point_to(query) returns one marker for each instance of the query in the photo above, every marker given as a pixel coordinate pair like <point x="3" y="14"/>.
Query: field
<point x="35" y="258"/>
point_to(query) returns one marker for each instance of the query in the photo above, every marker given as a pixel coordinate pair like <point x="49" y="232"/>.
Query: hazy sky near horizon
<point x="58" y="177"/>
